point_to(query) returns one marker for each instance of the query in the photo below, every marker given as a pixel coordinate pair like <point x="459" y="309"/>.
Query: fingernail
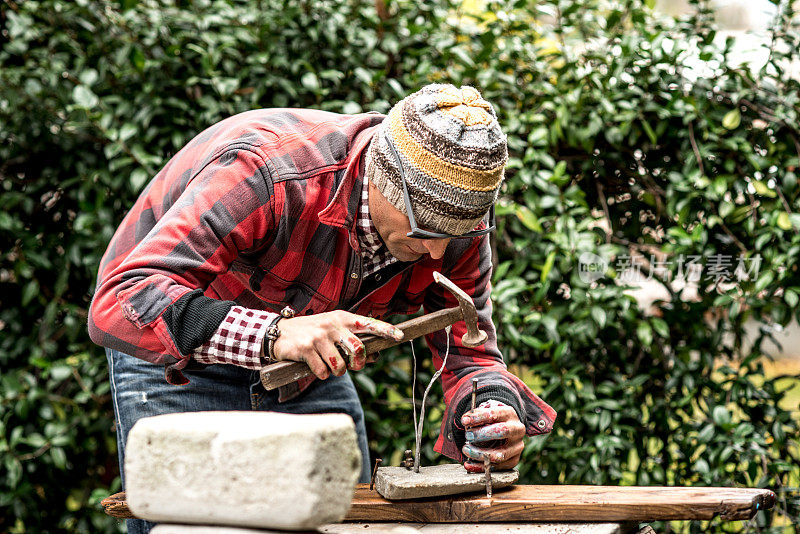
<point x="397" y="334"/>
<point x="466" y="420"/>
<point x="470" y="436"/>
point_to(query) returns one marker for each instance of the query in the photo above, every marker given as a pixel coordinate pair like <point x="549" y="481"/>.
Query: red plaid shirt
<point x="239" y="338"/>
<point x="259" y="211"/>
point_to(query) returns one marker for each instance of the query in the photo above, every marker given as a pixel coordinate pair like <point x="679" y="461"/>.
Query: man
<point x="279" y="234"/>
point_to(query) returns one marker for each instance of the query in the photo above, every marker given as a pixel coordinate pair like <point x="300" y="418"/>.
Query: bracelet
<point x="273" y="333"/>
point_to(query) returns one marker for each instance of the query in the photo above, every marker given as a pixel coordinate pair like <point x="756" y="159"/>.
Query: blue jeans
<point x="138" y="390"/>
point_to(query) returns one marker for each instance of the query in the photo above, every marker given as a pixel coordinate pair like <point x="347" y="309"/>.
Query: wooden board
<point x="567" y="503"/>
<point x="416" y="528"/>
<point x="478" y="528"/>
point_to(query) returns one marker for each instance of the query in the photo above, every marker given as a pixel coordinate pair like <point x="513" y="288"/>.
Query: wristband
<point x="273" y="333"/>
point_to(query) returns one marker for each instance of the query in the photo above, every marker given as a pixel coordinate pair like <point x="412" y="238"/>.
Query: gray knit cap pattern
<point x="453" y="153"/>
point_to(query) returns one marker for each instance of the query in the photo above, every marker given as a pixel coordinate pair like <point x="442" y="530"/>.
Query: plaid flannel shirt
<point x="259" y="211"/>
<point x="239" y="338"/>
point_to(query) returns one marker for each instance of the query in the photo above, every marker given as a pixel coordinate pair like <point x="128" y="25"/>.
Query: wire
<point x="414" y="389"/>
<point x="418" y="429"/>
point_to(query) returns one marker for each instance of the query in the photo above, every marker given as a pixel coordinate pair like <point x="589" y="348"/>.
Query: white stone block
<point x="256" y="469"/>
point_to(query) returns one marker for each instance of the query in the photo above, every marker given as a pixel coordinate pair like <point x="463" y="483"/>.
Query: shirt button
<point x="353" y="275"/>
<point x="541" y="423"/>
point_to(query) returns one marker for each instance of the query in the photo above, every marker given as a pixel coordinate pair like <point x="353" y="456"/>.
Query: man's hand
<point x="493" y="430"/>
<point x="314" y="339"/>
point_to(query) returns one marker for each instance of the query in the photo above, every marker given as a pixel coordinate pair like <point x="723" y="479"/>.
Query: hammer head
<point x="474" y="335"/>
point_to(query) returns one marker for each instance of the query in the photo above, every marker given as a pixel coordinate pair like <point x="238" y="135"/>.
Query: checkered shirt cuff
<point x="238" y="339"/>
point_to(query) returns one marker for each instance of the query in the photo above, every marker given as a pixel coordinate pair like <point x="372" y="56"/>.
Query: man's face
<point x="393" y="225"/>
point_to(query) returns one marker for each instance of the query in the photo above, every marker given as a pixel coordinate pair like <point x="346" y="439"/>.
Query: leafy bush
<point x="630" y="136"/>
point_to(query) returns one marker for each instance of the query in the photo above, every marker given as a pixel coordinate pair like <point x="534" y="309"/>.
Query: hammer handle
<point x="279" y="374"/>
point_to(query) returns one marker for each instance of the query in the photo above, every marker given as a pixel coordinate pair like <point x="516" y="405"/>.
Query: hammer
<point x="279" y="374"/>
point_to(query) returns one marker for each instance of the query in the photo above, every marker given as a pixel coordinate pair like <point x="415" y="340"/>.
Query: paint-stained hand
<point x="493" y="430"/>
<point x="314" y="339"/>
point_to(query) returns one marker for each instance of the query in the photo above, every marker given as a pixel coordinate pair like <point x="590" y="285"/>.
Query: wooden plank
<point x="414" y="528"/>
<point x="473" y="528"/>
<point x="567" y="503"/>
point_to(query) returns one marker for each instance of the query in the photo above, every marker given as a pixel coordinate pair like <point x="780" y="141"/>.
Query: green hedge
<point x="621" y="144"/>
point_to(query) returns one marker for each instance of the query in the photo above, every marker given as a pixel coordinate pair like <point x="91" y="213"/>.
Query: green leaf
<point x="127" y="131"/>
<point x="764" y="279"/>
<point x="644" y="333"/>
<point x="226" y="86"/>
<point x="351" y="108"/>
<point x="705" y="435"/>
<point x="60" y="372"/>
<point x="84" y="97"/>
<point x="560" y="169"/>
<point x="732" y="119"/>
<point x="88" y="77"/>
<point x="725" y="208"/>
<point x="29" y="292"/>
<point x="548" y="265"/>
<point x="763" y="189"/>
<point x="365" y="383"/>
<point x="13" y="471"/>
<point x="783" y="221"/>
<point x="701" y="466"/>
<point x="363" y="75"/>
<point x="396" y="87"/>
<point x="605" y="419"/>
<point x="649" y="131"/>
<point x="139" y="177"/>
<point x="529" y="219"/>
<point x="310" y="81"/>
<point x="463" y="57"/>
<point x="660" y="326"/>
<point x="137" y="58"/>
<point x="721" y="416"/>
<point x="599" y="316"/>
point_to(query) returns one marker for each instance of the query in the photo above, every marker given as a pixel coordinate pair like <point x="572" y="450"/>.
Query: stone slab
<point x="396" y="483"/>
<point x="256" y="469"/>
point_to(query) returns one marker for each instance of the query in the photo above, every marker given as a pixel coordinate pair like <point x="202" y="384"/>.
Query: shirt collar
<point x="368" y="236"/>
<point x="342" y="208"/>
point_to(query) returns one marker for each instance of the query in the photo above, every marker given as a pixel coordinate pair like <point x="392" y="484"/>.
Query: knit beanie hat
<point x="453" y="154"/>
